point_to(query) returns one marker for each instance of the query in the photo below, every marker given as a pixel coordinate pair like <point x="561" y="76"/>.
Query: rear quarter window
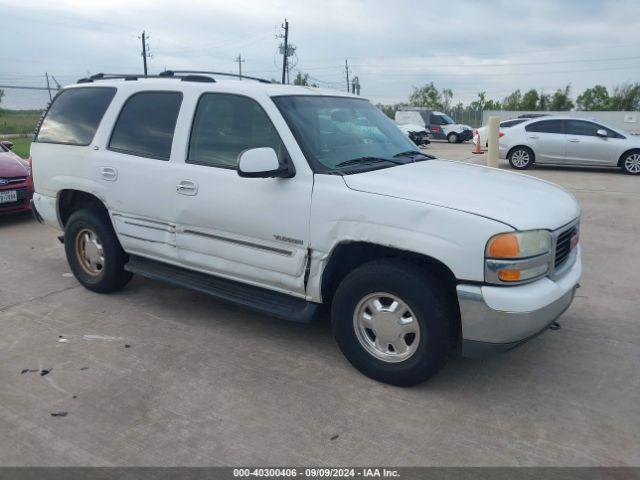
<point x="74" y="115"/>
<point x="146" y="124"/>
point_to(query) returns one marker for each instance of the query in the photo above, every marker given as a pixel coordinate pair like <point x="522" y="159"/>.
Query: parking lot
<point x="155" y="375"/>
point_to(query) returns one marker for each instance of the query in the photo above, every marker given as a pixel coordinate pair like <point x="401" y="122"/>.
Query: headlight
<point x="517" y="257"/>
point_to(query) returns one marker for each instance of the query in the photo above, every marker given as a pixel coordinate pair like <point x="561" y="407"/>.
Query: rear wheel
<point x="452" y="138"/>
<point x="94" y="252"/>
<point x="631" y="163"/>
<point x="393" y="322"/>
<point x="521" y="158"/>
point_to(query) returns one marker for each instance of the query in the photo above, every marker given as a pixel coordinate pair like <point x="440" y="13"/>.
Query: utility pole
<point x="240" y="62"/>
<point x="145" y="51"/>
<point x="285" y="53"/>
<point x="48" y="86"/>
<point x="346" y="69"/>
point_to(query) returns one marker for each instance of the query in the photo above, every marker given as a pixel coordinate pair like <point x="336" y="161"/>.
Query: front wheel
<point x="94" y="252"/>
<point x="631" y="163"/>
<point x="521" y="158"/>
<point x="393" y="322"/>
<point x="452" y="138"/>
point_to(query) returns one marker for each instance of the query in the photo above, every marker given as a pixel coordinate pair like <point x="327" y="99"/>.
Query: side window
<point x="74" y="115"/>
<point x="435" y="119"/>
<point x="225" y="125"/>
<point x="577" y="127"/>
<point x="545" y="126"/>
<point x="146" y="124"/>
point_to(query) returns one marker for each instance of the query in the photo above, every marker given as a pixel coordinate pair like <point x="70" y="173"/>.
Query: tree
<point x="303" y="79"/>
<point x="625" y="97"/>
<point x="594" y="99"/>
<point x="1" y="95"/>
<point x="512" y="101"/>
<point x="544" y="102"/>
<point x="427" y="96"/>
<point x="447" y="96"/>
<point x="530" y="100"/>
<point x="560" y="100"/>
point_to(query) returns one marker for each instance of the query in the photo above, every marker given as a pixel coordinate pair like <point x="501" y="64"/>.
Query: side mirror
<point x="7" y="144"/>
<point x="601" y="132"/>
<point x="262" y="163"/>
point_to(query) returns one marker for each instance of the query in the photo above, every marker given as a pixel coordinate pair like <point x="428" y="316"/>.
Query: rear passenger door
<point x="548" y="140"/>
<point x="255" y="230"/>
<point x="135" y="168"/>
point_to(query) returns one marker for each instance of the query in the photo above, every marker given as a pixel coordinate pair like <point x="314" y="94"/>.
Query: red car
<point x="16" y="183"/>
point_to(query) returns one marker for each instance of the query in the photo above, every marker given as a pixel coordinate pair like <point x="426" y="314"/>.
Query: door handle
<point x="535" y="137"/>
<point x="187" y="187"/>
<point x="574" y="140"/>
<point x="109" y="174"/>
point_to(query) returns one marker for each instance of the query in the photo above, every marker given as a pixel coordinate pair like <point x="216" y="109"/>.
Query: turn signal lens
<point x="509" y="275"/>
<point x="504" y="246"/>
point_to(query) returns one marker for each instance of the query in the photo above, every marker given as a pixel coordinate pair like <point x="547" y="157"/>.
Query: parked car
<point x="564" y="140"/>
<point x="16" y="184"/>
<point x="417" y="134"/>
<point x="412" y="255"/>
<point x="483" y="131"/>
<point x="440" y="125"/>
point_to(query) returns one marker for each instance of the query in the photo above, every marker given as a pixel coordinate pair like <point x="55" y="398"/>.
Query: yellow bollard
<point x="492" y="135"/>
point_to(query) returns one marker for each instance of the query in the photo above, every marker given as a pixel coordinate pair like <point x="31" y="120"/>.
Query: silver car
<point x="570" y="141"/>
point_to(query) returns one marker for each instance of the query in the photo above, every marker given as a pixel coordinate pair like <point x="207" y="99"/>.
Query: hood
<point x="517" y="200"/>
<point x="11" y="165"/>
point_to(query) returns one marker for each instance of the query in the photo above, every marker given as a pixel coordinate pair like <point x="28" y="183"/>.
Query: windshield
<point x="447" y="118"/>
<point x="338" y="132"/>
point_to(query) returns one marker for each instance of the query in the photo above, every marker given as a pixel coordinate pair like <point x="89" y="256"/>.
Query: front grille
<point x="10" y="180"/>
<point x="563" y="246"/>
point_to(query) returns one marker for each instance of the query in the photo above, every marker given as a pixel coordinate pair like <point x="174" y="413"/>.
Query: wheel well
<point x="522" y="146"/>
<point x="70" y="201"/>
<point x="636" y="150"/>
<point x="350" y="255"/>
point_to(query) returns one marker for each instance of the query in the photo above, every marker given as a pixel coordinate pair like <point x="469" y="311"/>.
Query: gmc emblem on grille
<point x="4" y="181"/>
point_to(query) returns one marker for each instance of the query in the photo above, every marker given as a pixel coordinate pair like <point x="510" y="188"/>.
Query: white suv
<point x="285" y="199"/>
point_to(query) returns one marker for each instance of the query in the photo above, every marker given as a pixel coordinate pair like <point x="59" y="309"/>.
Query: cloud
<point x="495" y="46"/>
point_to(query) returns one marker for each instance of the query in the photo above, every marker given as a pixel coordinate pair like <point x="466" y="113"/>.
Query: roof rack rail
<point x="135" y="76"/>
<point x="169" y="73"/>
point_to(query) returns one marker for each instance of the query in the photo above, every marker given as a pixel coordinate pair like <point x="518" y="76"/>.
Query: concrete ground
<point x="202" y="383"/>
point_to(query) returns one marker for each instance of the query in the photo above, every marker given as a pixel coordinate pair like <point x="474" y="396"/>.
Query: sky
<point x="392" y="46"/>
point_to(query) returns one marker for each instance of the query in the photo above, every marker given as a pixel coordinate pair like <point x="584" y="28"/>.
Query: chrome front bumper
<point x="496" y="319"/>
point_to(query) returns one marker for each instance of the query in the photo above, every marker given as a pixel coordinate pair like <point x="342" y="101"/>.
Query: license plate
<point x="8" y="196"/>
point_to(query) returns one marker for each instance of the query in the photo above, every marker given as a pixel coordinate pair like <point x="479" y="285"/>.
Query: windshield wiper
<point x="368" y="160"/>
<point x="412" y="153"/>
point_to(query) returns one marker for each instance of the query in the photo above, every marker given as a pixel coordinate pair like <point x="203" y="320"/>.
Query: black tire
<point x="107" y="276"/>
<point x="452" y="138"/>
<point x="433" y="308"/>
<point x="629" y="164"/>
<point x="521" y="153"/>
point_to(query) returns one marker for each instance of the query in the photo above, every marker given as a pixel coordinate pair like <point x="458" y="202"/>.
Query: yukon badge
<point x="282" y="238"/>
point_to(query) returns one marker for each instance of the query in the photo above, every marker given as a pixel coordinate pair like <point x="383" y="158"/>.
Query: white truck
<point x="288" y="199"/>
<point x="440" y="125"/>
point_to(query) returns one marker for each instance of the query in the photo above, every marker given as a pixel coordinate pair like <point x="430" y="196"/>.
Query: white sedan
<point x="563" y="140"/>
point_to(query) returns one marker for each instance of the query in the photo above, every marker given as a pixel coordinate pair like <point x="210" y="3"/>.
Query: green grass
<point x="18" y="121"/>
<point x="21" y="146"/>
